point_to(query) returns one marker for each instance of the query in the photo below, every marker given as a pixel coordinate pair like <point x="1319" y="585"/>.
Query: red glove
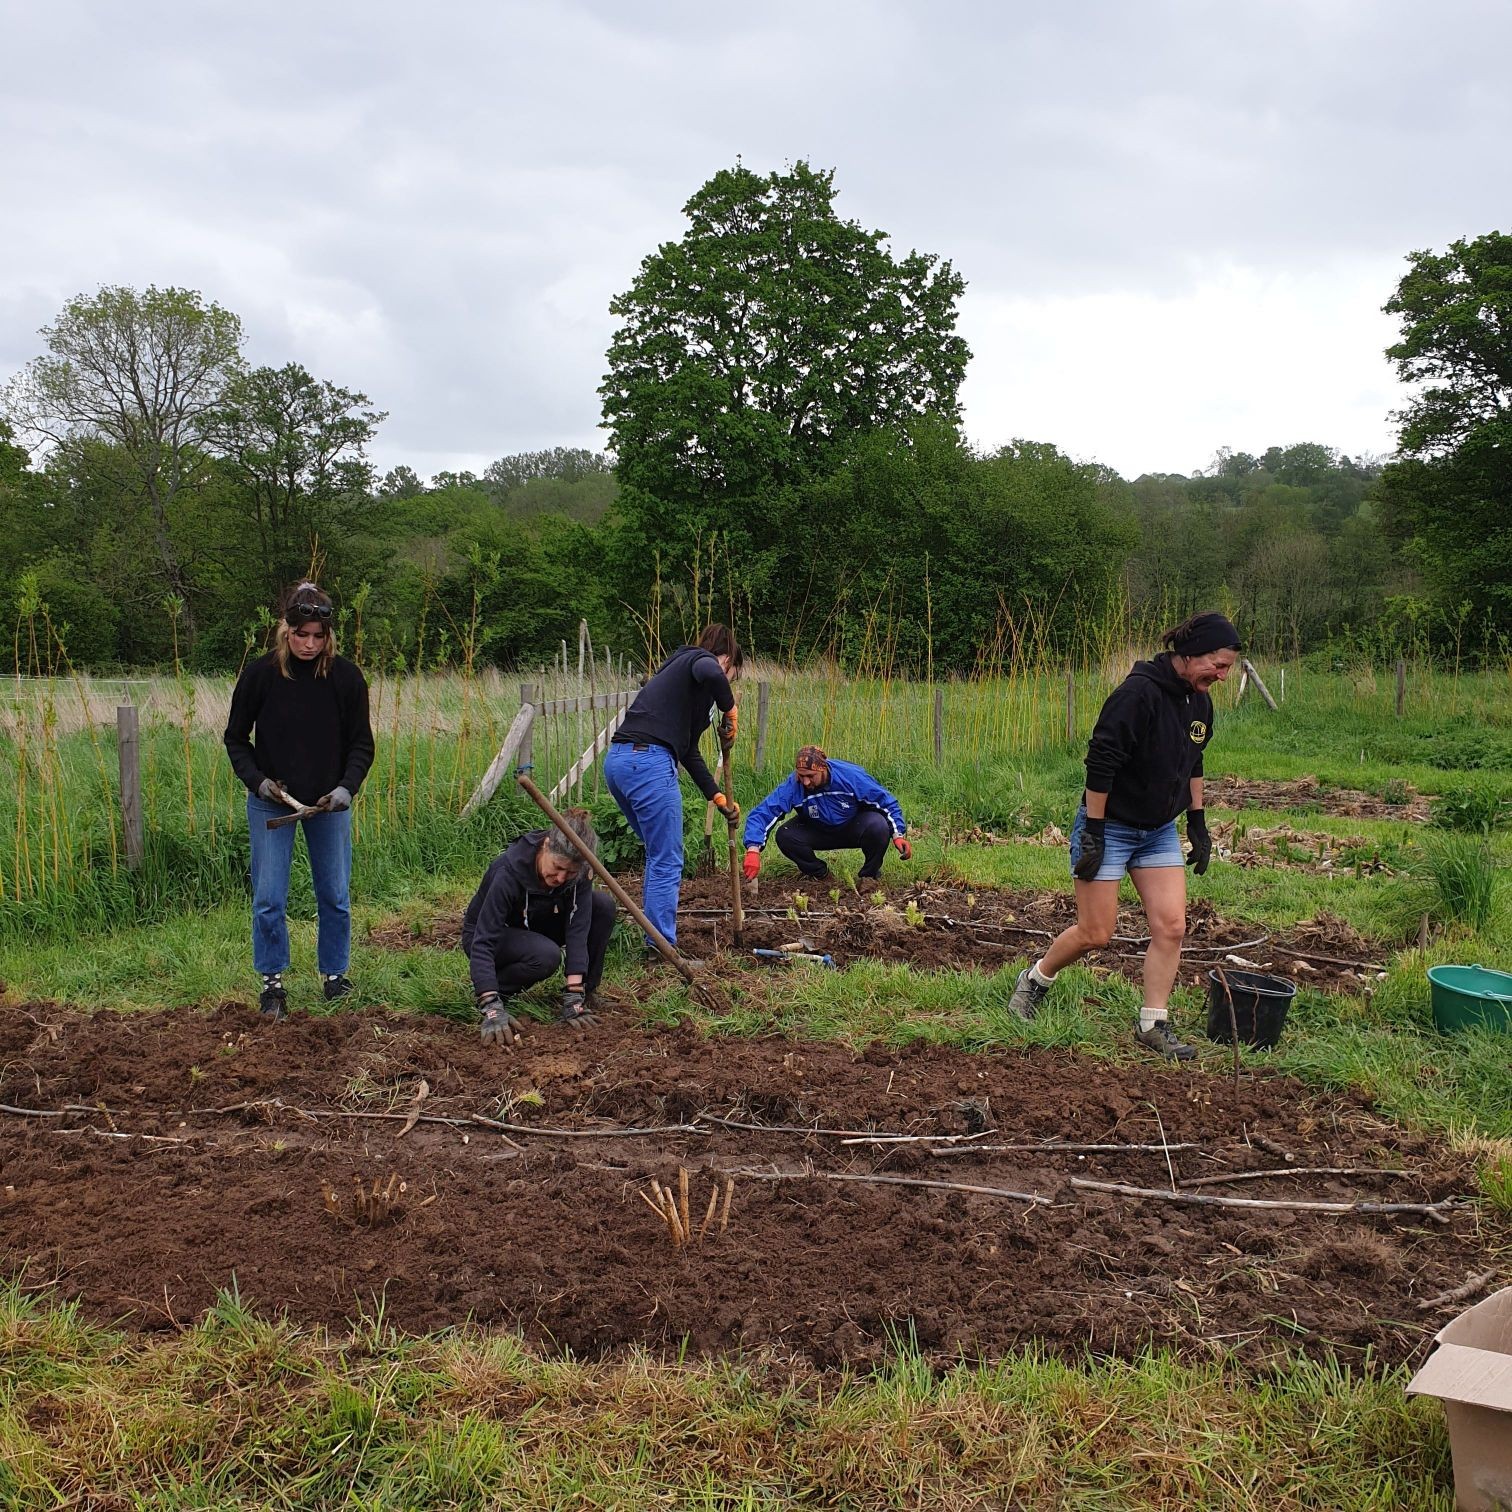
<point x="903" y="848"/>
<point x="751" y="865"/>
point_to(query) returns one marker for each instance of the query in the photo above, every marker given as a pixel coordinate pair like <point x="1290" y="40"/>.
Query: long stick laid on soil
<point x="705" y="990"/>
<point x="1197" y="1181"/>
<point x="1066" y="1149"/>
<point x="1459" y="1293"/>
<point x="909" y="1181"/>
<point x="1438" y="1211"/>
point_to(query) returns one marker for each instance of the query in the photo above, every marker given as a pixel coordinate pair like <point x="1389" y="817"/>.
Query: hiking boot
<point x="1027" y="997"/>
<point x="1161" y="1038"/>
<point x="336" y="987"/>
<point x="273" y="1003"/>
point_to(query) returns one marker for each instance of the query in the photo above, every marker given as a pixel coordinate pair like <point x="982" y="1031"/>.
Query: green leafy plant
<point x="1472" y="808"/>
<point x="1496" y="1184"/>
<point x="617" y="844"/>
<point x="1460" y="871"/>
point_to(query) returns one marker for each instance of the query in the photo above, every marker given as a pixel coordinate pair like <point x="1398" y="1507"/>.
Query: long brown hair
<point x="719" y="640"/>
<point x="303" y="592"/>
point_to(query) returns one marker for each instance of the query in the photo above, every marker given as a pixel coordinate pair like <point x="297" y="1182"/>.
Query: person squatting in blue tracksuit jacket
<point x="662" y="730"/>
<point x="840" y="806"/>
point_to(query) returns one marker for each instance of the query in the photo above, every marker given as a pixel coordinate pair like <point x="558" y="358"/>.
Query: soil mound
<point x="160" y="1155"/>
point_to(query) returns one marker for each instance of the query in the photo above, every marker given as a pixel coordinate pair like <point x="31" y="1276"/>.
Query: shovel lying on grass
<point x="704" y="988"/>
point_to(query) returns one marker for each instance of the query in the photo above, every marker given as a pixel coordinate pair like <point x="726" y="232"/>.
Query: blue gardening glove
<point x="1200" y="841"/>
<point x="1094" y="844"/>
<point x="335" y="801"/>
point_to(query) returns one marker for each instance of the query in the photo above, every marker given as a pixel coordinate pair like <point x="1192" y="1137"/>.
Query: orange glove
<point x="727" y="806"/>
<point x="903" y="848"/>
<point x="727" y="724"/>
<point x="751" y="864"/>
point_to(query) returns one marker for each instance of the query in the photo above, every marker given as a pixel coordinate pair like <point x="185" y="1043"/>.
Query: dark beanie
<point x="1203" y="633"/>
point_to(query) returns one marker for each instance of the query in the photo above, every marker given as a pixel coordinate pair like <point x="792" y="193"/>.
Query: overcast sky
<point x="1177" y="221"/>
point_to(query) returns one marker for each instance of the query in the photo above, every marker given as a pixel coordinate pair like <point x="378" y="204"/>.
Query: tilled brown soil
<point x="937" y="926"/>
<point x="189" y="1147"/>
<point x="1310" y="796"/>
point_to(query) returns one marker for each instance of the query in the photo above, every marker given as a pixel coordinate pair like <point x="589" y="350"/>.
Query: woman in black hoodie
<point x="535" y="910"/>
<point x="1144" y="768"/>
<point x="313" y="743"/>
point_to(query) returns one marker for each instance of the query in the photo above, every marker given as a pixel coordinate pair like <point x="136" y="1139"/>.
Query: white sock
<point x="1036" y="975"/>
<point x="1149" y="1017"/>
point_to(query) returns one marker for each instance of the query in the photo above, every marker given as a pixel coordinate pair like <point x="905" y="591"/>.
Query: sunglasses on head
<point x="302" y="614"/>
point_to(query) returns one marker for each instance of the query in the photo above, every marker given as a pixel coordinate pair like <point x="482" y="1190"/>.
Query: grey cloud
<point x="435" y="205"/>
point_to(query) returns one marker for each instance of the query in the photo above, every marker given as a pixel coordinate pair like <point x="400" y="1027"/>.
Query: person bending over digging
<point x="312" y="748"/>
<point x="536" y="910"/>
<point x="840" y="805"/>
<point x="662" y="729"/>
<point x="1144" y="767"/>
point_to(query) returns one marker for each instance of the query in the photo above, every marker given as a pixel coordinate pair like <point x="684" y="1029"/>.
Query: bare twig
<point x="909" y="1181"/>
<point x="1197" y="1181"/>
<point x="1459" y="1293"/>
<point x="1437" y="1211"/>
<point x="897" y="1139"/>
<point x="1064" y="1149"/>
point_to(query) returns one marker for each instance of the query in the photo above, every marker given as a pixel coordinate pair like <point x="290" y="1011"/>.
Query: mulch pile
<point x="1310" y="796"/>
<point x="191" y="1147"/>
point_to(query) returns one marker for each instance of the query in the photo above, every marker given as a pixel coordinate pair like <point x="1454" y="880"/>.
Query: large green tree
<point x="293" y="451"/>
<point x="751" y="354"/>
<point x="130" y="383"/>
<point x="1451" y="493"/>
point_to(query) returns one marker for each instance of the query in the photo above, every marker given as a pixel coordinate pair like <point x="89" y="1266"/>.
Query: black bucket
<point x="1260" y="1004"/>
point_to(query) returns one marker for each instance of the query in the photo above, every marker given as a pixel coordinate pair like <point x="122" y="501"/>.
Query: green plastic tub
<point x="1470" y="997"/>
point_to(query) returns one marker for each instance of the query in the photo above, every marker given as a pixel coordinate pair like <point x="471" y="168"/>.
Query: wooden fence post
<point x="763" y="700"/>
<point x="939" y="725"/>
<point x="129" y="744"/>
<point x="527" y="745"/>
<point x="1401" y="685"/>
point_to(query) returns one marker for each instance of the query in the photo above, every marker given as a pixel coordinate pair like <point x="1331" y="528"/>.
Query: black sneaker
<point x="273" y="1003"/>
<point x="1161" y="1038"/>
<point x="1027" y="996"/>
<point x="336" y="987"/>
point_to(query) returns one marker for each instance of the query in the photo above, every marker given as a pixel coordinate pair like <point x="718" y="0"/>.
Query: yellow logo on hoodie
<point x="1198" y="732"/>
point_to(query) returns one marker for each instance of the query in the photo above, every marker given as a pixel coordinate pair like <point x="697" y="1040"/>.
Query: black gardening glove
<point x="1094" y="843"/>
<point x="575" y="1009"/>
<point x="496" y="1025"/>
<point x="335" y="801"/>
<point x="1200" y="841"/>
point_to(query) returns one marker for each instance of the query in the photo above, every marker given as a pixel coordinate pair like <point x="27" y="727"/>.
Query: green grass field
<point x="244" y="1411"/>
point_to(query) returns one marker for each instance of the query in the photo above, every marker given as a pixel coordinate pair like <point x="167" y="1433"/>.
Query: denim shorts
<point x="1127" y="848"/>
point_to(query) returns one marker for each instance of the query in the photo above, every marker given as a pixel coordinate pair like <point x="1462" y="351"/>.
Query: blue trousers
<point x="644" y="784"/>
<point x="328" y="837"/>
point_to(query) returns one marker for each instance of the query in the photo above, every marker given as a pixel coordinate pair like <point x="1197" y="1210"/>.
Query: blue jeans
<point x="644" y="784"/>
<point x="328" y="838"/>
<point x="1128" y="848"/>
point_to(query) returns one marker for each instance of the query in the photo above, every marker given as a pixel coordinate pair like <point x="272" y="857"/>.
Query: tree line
<point x="785" y="453"/>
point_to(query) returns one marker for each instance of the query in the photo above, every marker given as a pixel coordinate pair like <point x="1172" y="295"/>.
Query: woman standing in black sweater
<point x="1144" y="768"/>
<point x="313" y="743"/>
